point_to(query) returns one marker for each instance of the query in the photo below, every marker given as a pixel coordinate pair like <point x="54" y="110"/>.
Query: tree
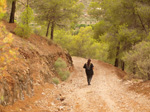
<point x="101" y="28"/>
<point x="13" y="10"/>
<point x="138" y="59"/>
<point x="57" y="13"/>
<point x="132" y="13"/>
<point x="23" y="29"/>
<point x="94" y="10"/>
<point x="13" y="7"/>
<point x="82" y="44"/>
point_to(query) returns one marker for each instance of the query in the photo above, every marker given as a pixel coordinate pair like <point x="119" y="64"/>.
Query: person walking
<point x="89" y="71"/>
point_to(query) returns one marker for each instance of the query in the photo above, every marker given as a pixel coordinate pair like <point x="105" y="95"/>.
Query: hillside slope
<point x="30" y="66"/>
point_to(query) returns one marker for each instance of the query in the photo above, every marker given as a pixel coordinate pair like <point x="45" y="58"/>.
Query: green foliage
<point x="58" y="13"/>
<point x="1" y="15"/>
<point x="123" y="24"/>
<point x="2" y="98"/>
<point x="127" y="37"/>
<point x="64" y="38"/>
<point x="39" y="29"/>
<point x="119" y="42"/>
<point x="63" y="74"/>
<point x="60" y="64"/>
<point x="80" y="25"/>
<point x="82" y="44"/>
<point x="148" y="37"/>
<point x="27" y="16"/>
<point x="55" y="80"/>
<point x="61" y="69"/>
<point x="2" y="8"/>
<point x="23" y="29"/>
<point x="94" y="10"/>
<point x="137" y="60"/>
<point x="100" y="29"/>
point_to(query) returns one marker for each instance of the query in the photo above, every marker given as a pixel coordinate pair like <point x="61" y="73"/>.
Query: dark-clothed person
<point x="89" y="71"/>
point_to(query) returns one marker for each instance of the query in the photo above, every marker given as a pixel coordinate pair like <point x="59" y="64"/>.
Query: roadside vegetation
<point x="61" y="69"/>
<point x="55" y="80"/>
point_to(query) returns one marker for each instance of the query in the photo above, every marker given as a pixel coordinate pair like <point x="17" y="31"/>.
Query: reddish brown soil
<point x="141" y="88"/>
<point x="37" y="54"/>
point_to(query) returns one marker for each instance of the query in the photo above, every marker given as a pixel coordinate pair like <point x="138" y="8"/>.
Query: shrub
<point x="60" y="64"/>
<point x="23" y="31"/>
<point x="61" y="69"/>
<point x="66" y="75"/>
<point x="55" y="80"/>
<point x="138" y="60"/>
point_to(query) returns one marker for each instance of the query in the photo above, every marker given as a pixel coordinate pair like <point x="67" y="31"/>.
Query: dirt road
<point x="107" y="93"/>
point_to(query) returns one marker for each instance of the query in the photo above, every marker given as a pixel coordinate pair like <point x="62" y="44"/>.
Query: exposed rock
<point x="62" y="98"/>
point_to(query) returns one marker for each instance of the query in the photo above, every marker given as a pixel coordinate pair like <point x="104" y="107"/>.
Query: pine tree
<point x="23" y="29"/>
<point x="57" y="13"/>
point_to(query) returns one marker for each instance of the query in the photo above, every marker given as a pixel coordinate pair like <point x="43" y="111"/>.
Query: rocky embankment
<point x="33" y="65"/>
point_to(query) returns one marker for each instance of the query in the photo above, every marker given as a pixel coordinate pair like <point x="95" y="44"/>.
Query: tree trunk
<point x="52" y="30"/>
<point x="12" y="14"/>
<point x="116" y="62"/>
<point x="122" y="65"/>
<point x="134" y="70"/>
<point x="148" y="76"/>
<point x="148" y="73"/>
<point x="47" y="32"/>
<point x="117" y="54"/>
<point x="142" y="23"/>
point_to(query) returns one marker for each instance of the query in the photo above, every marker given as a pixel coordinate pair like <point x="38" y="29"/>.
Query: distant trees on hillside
<point x="57" y="13"/>
<point x="123" y="24"/>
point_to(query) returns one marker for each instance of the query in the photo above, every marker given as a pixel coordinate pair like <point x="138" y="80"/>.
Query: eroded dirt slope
<point x="25" y="64"/>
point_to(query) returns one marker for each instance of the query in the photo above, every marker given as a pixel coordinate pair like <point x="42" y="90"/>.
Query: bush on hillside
<point x="55" y="80"/>
<point x="61" y="69"/>
<point x="60" y="64"/>
<point x="138" y="60"/>
<point x="23" y="31"/>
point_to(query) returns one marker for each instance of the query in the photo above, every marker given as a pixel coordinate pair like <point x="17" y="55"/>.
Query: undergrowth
<point x="61" y="69"/>
<point x="55" y="80"/>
